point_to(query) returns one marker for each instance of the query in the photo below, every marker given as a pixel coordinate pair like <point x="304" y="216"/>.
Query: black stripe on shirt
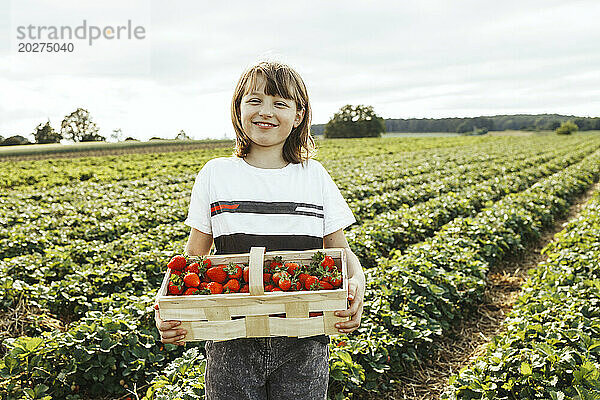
<point x="242" y="242"/>
<point x="263" y="207"/>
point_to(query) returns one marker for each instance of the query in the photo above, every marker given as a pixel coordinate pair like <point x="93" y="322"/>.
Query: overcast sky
<point x="407" y="59"/>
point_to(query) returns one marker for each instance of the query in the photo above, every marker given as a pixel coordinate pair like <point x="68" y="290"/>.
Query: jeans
<point x="274" y="368"/>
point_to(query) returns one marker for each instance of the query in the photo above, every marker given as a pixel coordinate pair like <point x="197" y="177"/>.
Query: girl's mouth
<point x="265" y="124"/>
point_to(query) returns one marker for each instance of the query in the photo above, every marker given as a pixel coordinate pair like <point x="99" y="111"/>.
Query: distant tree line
<point x="76" y="127"/>
<point x="488" y="123"/>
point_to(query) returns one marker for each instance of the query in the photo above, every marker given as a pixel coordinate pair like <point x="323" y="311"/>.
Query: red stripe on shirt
<point x="227" y="206"/>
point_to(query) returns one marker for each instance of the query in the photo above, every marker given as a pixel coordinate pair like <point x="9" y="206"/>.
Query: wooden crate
<point x="215" y="317"/>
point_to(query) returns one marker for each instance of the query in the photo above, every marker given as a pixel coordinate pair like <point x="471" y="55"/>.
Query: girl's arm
<point x="199" y="243"/>
<point x="356" y="282"/>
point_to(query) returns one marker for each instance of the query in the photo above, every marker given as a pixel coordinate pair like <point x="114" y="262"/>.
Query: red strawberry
<point x="291" y="267"/>
<point x="276" y="277"/>
<point x="177" y="263"/>
<point x="191" y="290"/>
<point x="336" y="282"/>
<point x="269" y="288"/>
<point x="175" y="272"/>
<point x="325" y="285"/>
<point x="266" y="277"/>
<point x="206" y="263"/>
<point x="245" y="289"/>
<point x="215" y="287"/>
<point x="195" y="268"/>
<point x="246" y="274"/>
<point x="328" y="263"/>
<point x="276" y="264"/>
<point x="156" y="306"/>
<point x="311" y="283"/>
<point x="302" y="278"/>
<point x="297" y="285"/>
<point x="174" y="289"/>
<point x="191" y="279"/>
<point x="203" y="285"/>
<point x="217" y="274"/>
<point x="233" y="285"/>
<point x="276" y="289"/>
<point x="285" y="283"/>
<point x="233" y="271"/>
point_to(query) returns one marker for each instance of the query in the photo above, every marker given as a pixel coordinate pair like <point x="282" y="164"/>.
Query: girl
<point x="272" y="194"/>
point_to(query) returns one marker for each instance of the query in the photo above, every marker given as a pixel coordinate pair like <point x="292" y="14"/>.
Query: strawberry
<point x="276" y="277"/>
<point x="194" y="267"/>
<point x="291" y="267"/>
<point x="269" y="288"/>
<point x="311" y="283"/>
<point x="285" y="283"/>
<point x="276" y="289"/>
<point x="191" y="279"/>
<point x="215" y="287"/>
<point x="203" y="285"/>
<point x="206" y="263"/>
<point x="302" y="278"/>
<point x="177" y="263"/>
<point x="325" y="285"/>
<point x="297" y="285"/>
<point x="217" y="274"/>
<point x="175" y="272"/>
<point x="233" y="271"/>
<point x="266" y="277"/>
<point x="245" y="289"/>
<point x="336" y="282"/>
<point x="156" y="306"/>
<point x="328" y="263"/>
<point x="246" y="274"/>
<point x="191" y="290"/>
<point x="276" y="263"/>
<point x="174" y="289"/>
<point x="233" y="285"/>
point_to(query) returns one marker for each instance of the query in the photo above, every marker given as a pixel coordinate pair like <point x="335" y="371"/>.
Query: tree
<point x="78" y="127"/>
<point x="355" y="121"/>
<point x="44" y="133"/>
<point x="15" y="141"/>
<point x="116" y="135"/>
<point x="566" y="128"/>
<point x="182" y="136"/>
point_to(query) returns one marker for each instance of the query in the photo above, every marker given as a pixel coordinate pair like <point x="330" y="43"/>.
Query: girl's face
<point x="268" y="120"/>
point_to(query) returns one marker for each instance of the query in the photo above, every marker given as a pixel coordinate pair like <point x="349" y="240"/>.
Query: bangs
<point x="277" y="82"/>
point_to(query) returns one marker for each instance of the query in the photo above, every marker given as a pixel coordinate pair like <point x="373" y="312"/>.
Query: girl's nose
<point x="266" y="110"/>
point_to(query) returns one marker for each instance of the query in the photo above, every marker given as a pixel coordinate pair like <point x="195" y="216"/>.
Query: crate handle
<point x="256" y="263"/>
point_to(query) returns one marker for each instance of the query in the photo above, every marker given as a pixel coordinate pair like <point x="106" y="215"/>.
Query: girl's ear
<point x="299" y="117"/>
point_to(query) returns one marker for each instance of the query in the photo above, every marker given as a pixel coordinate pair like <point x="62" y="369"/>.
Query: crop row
<point x="104" y="212"/>
<point x="398" y="229"/>
<point x="53" y="172"/>
<point x="400" y="194"/>
<point x="416" y="296"/>
<point x="551" y="346"/>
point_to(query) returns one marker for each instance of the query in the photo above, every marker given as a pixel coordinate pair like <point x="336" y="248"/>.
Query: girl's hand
<point x="356" y="293"/>
<point x="167" y="330"/>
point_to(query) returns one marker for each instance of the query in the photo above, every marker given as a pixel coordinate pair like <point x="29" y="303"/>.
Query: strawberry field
<point x="84" y="244"/>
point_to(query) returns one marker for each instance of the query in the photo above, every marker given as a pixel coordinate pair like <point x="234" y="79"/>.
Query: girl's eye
<point x="281" y="104"/>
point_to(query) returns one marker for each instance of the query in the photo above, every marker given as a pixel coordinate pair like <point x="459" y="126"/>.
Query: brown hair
<point x="283" y="81"/>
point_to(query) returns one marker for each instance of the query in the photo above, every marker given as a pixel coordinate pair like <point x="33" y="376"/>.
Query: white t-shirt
<point x="291" y="208"/>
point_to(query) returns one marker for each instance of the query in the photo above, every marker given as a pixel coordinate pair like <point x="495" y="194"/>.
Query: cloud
<point x="407" y="59"/>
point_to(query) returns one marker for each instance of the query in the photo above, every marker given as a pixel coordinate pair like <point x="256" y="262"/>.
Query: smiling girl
<point x="271" y="193"/>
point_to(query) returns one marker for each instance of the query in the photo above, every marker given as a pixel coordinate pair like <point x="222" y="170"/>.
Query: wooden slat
<point x="257" y="326"/>
<point x="213" y="330"/>
<point x="301" y="327"/>
<point x="329" y="321"/>
<point x="256" y="261"/>
<point x="296" y="310"/>
<point x="217" y="314"/>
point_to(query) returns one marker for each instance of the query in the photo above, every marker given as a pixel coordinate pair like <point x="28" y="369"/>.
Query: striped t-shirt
<point x="290" y="208"/>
